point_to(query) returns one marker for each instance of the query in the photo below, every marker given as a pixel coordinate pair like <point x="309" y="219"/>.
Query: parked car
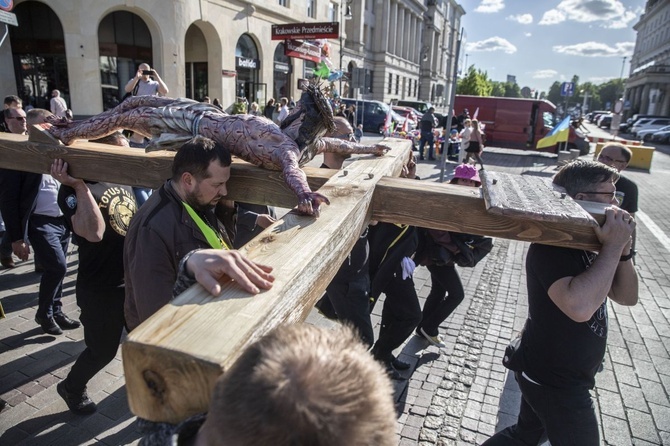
<point x="646" y="134"/>
<point x="605" y="120"/>
<point x="630" y="122"/>
<point x="594" y="115"/>
<point x="421" y="106"/>
<point x="662" y="137"/>
<point x="407" y="113"/>
<point x="649" y="123"/>
<point x="372" y="114"/>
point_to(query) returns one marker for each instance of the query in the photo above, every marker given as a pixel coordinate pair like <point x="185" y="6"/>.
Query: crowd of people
<point x="187" y="232"/>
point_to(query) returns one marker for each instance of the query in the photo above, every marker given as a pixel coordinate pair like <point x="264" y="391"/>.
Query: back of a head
<point x="581" y="175"/>
<point x="303" y="385"/>
<point x="626" y="153"/>
<point x="12" y="101"/>
<point x="37" y="116"/>
<point x="196" y="155"/>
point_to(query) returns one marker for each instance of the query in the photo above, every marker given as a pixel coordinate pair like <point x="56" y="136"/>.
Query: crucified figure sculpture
<point x="171" y="122"/>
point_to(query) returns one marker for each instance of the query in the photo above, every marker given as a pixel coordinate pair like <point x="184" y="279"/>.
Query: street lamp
<point x="345" y="14"/>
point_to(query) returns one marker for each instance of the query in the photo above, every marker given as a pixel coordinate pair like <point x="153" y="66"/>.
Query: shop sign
<point x="306" y="31"/>
<point x="302" y="50"/>
<point x="243" y="62"/>
<point x="282" y="67"/>
<point x="229" y="73"/>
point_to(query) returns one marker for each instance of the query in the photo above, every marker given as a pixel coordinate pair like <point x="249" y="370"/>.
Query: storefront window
<point x="282" y="73"/>
<point x="38" y="50"/>
<point x="125" y="43"/>
<point x="248" y="66"/>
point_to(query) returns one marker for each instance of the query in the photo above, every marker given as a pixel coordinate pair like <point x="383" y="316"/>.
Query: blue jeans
<point x="564" y="416"/>
<point x="427" y="137"/>
<point x="50" y="238"/>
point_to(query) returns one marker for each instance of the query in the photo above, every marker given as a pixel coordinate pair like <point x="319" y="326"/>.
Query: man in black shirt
<point x="98" y="215"/>
<point x="564" y="339"/>
<point x="427" y="124"/>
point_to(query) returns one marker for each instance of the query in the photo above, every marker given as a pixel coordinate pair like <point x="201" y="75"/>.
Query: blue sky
<point x="542" y="41"/>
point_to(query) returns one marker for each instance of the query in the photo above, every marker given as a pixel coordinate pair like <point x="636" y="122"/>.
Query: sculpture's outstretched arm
<point x="342" y="147"/>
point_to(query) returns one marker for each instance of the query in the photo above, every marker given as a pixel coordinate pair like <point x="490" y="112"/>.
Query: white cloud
<point x="544" y="74"/>
<point x="489" y="6"/>
<point x="524" y="19"/>
<point x="596" y="49"/>
<point x="600" y="79"/>
<point x="552" y="17"/>
<point x="610" y="13"/>
<point x="492" y="44"/>
<point x="527" y="34"/>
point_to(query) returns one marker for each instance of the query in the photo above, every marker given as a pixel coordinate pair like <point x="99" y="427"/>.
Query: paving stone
<point x="642" y="426"/>
<point x="661" y="415"/>
<point x="611" y="404"/>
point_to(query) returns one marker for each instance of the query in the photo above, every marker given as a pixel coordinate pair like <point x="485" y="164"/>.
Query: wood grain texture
<point x="134" y="167"/>
<point x="172" y="360"/>
<point x="462" y="209"/>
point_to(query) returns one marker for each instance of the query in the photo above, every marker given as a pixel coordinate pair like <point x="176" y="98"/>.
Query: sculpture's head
<point x="312" y="117"/>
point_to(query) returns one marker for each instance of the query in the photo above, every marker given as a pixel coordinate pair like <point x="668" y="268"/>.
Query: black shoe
<point x="393" y="373"/>
<point x="7" y="262"/>
<point x="400" y="365"/>
<point x="65" y="322"/>
<point x="79" y="403"/>
<point x="49" y="325"/>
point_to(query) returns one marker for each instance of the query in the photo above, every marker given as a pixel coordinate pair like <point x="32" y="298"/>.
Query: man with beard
<point x="176" y="220"/>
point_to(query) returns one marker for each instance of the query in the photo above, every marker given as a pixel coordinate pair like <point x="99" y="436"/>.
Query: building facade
<point x="648" y="85"/>
<point x="222" y="49"/>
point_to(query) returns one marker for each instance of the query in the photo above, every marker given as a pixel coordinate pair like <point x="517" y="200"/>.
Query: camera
<point x="147" y="72"/>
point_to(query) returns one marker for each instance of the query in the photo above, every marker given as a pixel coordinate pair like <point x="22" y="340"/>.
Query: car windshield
<point x="384" y="107"/>
<point x="664" y="129"/>
<point x="548" y="119"/>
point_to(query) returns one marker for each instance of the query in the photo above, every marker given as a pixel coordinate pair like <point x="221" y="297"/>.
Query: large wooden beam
<point x="172" y="360"/>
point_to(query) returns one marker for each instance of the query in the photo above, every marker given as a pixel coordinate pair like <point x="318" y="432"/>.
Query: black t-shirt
<point x="629" y="190"/>
<point x="101" y="263"/>
<point x="558" y="351"/>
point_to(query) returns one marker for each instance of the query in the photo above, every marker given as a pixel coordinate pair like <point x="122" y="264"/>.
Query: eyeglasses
<point x="613" y="195"/>
<point x="606" y="159"/>
<point x="18" y="118"/>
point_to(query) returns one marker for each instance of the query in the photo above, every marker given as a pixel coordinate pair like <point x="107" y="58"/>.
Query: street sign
<point x="567" y="88"/>
<point x="302" y="50"/>
<point x="6" y="5"/>
<point x="8" y="18"/>
<point x="306" y="31"/>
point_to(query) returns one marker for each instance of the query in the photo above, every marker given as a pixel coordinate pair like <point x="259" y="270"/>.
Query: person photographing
<point x="146" y="82"/>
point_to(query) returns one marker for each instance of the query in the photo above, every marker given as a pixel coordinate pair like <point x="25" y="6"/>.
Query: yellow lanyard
<point x="213" y="237"/>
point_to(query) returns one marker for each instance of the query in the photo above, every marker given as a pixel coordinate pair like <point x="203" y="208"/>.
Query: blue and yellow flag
<point x="558" y="134"/>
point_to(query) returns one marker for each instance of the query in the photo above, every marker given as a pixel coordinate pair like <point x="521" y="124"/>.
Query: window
<point x="397" y="84"/>
<point x="333" y="13"/>
<point x="283" y="3"/>
<point x="390" y="89"/>
<point x="311" y="8"/>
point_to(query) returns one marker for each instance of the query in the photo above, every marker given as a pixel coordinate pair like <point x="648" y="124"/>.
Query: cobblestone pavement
<point x="457" y="396"/>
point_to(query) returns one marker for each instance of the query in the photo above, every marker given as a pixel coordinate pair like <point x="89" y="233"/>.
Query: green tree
<point x="554" y="94"/>
<point x="512" y="90"/>
<point x="475" y="83"/>
<point x="497" y="89"/>
<point x="610" y="91"/>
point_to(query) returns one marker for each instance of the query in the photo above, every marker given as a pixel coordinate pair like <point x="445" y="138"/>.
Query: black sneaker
<point x="65" y="322"/>
<point x="400" y="365"/>
<point x="78" y="403"/>
<point x="392" y="373"/>
<point x="49" y="325"/>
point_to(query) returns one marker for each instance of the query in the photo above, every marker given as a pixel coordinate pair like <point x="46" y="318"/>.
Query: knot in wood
<point x="155" y="383"/>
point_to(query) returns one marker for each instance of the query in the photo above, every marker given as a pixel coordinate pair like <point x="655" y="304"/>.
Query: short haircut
<point x="625" y="151"/>
<point x="37" y="116"/>
<point x="196" y="155"/>
<point x="113" y="139"/>
<point x="303" y="385"/>
<point x="9" y="100"/>
<point x="581" y="175"/>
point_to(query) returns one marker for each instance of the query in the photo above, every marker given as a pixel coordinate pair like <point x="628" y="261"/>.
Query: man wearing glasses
<point x="617" y="155"/>
<point x="565" y="336"/>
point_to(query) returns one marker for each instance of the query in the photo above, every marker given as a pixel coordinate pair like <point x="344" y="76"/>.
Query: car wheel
<point x="381" y="129"/>
<point x="646" y="137"/>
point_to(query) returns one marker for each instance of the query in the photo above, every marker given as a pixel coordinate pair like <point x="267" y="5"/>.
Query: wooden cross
<point x="172" y="360"/>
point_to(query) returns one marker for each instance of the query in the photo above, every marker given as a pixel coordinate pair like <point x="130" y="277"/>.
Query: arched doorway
<point x="38" y="50"/>
<point x="197" y="85"/>
<point x="282" y="73"/>
<point x="125" y="42"/>
<point x="248" y="66"/>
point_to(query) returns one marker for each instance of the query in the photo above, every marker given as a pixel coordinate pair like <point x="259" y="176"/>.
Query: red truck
<point x="517" y="123"/>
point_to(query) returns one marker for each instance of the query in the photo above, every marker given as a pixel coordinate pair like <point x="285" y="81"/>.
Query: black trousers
<point x="102" y="317"/>
<point x="564" y="416"/>
<point x="400" y="316"/>
<point x="50" y="238"/>
<point x="350" y="297"/>
<point x="445" y="295"/>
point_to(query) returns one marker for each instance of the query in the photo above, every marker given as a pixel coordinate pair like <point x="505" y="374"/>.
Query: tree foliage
<point x="475" y="83"/>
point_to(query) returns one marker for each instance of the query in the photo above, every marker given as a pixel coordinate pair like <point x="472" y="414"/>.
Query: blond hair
<point x="303" y="385"/>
